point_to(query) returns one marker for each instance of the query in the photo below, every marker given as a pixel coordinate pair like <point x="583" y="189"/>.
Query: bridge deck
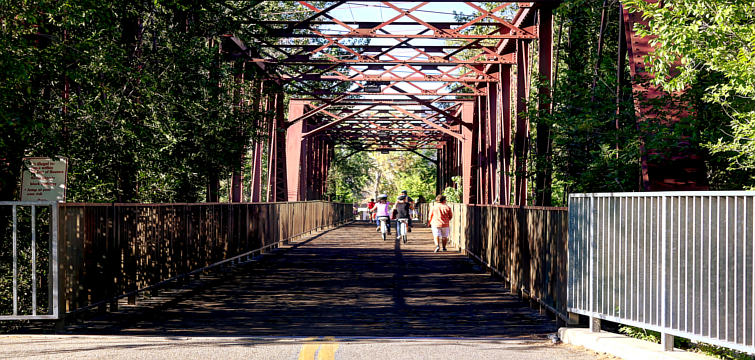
<point x="342" y="282"/>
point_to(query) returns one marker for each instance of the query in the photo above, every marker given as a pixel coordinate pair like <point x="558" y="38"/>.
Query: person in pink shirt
<point x="383" y="209"/>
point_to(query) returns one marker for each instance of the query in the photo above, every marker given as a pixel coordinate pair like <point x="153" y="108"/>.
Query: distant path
<point x="344" y="282"/>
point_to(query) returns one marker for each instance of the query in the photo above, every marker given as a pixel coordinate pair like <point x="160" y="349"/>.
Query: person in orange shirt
<point x="440" y="221"/>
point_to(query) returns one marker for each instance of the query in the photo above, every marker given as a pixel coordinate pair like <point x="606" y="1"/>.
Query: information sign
<point x="44" y="179"/>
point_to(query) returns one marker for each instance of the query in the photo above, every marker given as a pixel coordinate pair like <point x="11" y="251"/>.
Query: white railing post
<point x="19" y="278"/>
<point x="667" y="341"/>
<point x="594" y="321"/>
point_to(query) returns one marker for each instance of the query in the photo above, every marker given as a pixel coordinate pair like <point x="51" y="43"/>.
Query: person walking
<point x="440" y="221"/>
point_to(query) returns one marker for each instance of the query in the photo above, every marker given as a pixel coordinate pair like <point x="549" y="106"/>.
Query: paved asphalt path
<point x="385" y="298"/>
<point x="190" y="348"/>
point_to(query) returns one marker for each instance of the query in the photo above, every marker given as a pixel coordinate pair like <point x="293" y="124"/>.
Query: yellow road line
<point x="328" y="350"/>
<point x="309" y="350"/>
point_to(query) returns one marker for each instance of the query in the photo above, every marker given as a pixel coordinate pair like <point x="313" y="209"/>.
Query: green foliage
<point x="697" y="37"/>
<point x="597" y="138"/>
<point x="364" y="175"/>
<point x="595" y="141"/>
<point x="418" y="176"/>
<point x="642" y="334"/>
<point x="685" y="344"/>
<point x="719" y="352"/>
<point x="151" y="112"/>
<point x="454" y="194"/>
<point x="407" y="171"/>
<point x="349" y="176"/>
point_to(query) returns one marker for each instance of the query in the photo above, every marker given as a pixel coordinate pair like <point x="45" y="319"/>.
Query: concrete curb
<point x="623" y="346"/>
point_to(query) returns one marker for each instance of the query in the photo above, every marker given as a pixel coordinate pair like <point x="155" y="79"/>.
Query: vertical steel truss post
<point x="296" y="153"/>
<point x="468" y="158"/>
<point x="308" y="158"/>
<point x="276" y="174"/>
<point x="237" y="179"/>
<point x="265" y="107"/>
<point x="272" y="133"/>
<point x="545" y="69"/>
<point x="522" y="122"/>
<point x="492" y="142"/>
<point x="315" y="160"/>
<point x="505" y="84"/>
<point x="482" y="154"/>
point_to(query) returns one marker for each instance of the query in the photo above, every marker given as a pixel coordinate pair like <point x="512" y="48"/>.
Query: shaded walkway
<point x="344" y="282"/>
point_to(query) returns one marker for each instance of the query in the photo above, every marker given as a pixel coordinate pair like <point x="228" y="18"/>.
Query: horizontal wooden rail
<point x="108" y="251"/>
<point x="526" y="246"/>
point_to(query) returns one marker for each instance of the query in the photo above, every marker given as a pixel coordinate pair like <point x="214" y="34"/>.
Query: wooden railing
<point x="526" y="246"/>
<point x="114" y="250"/>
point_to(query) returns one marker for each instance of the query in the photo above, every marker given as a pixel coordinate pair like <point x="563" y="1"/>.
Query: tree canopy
<point x="364" y="175"/>
<point x="696" y="37"/>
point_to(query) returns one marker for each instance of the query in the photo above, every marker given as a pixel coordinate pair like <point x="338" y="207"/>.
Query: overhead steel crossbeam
<point x="404" y="49"/>
<point x="374" y="125"/>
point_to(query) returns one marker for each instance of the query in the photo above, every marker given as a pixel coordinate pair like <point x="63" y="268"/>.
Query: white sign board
<point x="44" y="179"/>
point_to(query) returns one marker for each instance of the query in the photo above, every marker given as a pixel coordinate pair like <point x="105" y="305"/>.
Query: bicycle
<point x="401" y="226"/>
<point x="383" y="226"/>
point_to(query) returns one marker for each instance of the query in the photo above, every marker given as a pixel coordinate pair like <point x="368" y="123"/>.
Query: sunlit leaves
<point x="708" y="36"/>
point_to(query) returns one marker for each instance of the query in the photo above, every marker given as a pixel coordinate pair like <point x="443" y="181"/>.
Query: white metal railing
<point x="680" y="263"/>
<point x="54" y="289"/>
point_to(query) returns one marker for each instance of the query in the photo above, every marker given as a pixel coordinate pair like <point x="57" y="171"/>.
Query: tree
<point x="418" y="176"/>
<point x="349" y="175"/>
<point x="695" y="37"/>
<point x="137" y="95"/>
<point x="353" y="178"/>
<point x="454" y="194"/>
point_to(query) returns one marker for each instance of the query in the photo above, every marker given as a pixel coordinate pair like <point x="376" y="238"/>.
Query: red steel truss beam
<point x="666" y="172"/>
<point x="430" y="123"/>
<point x="422" y="78"/>
<point x="426" y="56"/>
<point x="434" y="61"/>
<point x="357" y="35"/>
<point x="314" y="112"/>
<point x="404" y="45"/>
<point x="337" y="121"/>
<point x="422" y="93"/>
<point x="467" y="135"/>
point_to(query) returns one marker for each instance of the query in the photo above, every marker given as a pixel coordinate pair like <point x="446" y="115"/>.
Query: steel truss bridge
<point x="409" y="83"/>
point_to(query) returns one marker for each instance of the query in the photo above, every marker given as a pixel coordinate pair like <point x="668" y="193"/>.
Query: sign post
<point x="44" y="179"/>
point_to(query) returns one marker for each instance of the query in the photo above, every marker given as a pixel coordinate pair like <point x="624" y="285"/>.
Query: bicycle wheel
<point x="383" y="236"/>
<point x="404" y="238"/>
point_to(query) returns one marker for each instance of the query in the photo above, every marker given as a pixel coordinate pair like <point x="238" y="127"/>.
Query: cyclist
<point x="410" y="201"/>
<point x="402" y="208"/>
<point x="382" y="209"/>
